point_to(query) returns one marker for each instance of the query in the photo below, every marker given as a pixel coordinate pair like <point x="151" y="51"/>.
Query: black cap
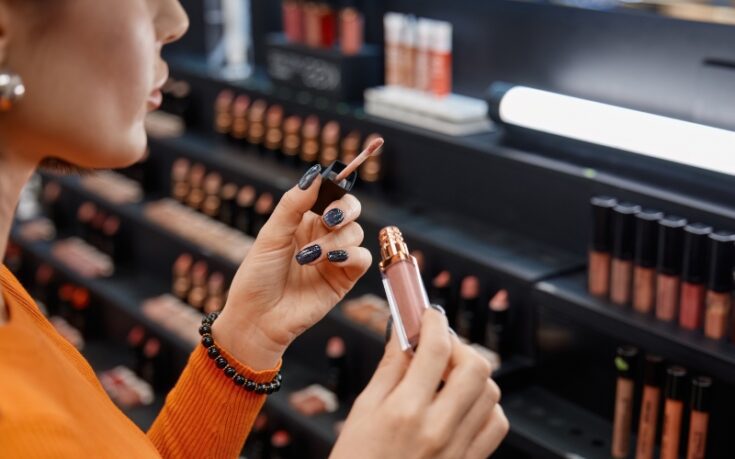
<point x="624" y="230"/>
<point x="646" y="237"/>
<point x="602" y="210"/>
<point x="331" y="191"/>
<point x="653" y="373"/>
<point x="670" y="244"/>
<point x="625" y="361"/>
<point x="676" y="382"/>
<point x="701" y="386"/>
<point x="721" y="261"/>
<point x="695" y="253"/>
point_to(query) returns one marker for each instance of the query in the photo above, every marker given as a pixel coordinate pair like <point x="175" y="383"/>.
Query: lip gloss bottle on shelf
<point x="644" y="273"/>
<point x="670" y="248"/>
<point x="598" y="281"/>
<point x="694" y="275"/>
<point x="719" y="289"/>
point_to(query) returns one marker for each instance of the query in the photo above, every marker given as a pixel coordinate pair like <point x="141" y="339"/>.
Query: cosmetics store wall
<point x="620" y="58"/>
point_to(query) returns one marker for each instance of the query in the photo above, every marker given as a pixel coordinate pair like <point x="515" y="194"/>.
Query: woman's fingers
<point x="355" y="261"/>
<point x="387" y="376"/>
<point x="467" y="380"/>
<point x="490" y="437"/>
<point x="293" y="205"/>
<point x="470" y="425"/>
<point x="333" y="243"/>
<point x="341" y="212"/>
<point x="430" y="360"/>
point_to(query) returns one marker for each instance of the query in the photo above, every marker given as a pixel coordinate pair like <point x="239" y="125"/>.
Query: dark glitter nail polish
<point x="309" y="254"/>
<point x="337" y="256"/>
<point x="310" y="176"/>
<point x="333" y="218"/>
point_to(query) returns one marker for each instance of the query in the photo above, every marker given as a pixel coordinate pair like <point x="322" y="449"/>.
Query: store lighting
<point x="621" y="128"/>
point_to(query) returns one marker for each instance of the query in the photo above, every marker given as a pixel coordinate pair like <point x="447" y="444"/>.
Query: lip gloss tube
<point x="673" y="412"/>
<point x="699" y="420"/>
<point x="694" y="275"/>
<point x="644" y="271"/>
<point x="719" y="291"/>
<point x="625" y="363"/>
<point x="670" y="248"/>
<point x="652" y="383"/>
<point x="403" y="286"/>
<point x="621" y="276"/>
<point x="598" y="282"/>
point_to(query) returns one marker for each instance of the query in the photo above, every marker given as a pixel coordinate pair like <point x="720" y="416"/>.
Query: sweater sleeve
<point x="206" y="414"/>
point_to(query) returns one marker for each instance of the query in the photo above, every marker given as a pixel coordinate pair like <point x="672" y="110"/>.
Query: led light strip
<point x="621" y="128"/>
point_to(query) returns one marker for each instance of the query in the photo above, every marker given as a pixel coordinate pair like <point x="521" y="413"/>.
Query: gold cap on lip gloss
<point x="392" y="247"/>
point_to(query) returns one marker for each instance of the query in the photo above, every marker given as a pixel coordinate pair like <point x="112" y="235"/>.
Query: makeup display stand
<point x="325" y="72"/>
<point x="498" y="205"/>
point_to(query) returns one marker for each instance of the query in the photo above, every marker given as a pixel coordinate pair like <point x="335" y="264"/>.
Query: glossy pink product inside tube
<point x="403" y="287"/>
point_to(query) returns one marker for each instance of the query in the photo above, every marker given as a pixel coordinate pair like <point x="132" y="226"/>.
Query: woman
<point x="91" y="70"/>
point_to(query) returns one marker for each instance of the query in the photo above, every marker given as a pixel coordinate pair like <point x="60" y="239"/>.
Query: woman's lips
<point x="155" y="100"/>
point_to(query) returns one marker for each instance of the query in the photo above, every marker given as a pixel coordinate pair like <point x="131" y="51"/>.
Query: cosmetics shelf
<point x="491" y="247"/>
<point x="546" y="426"/>
<point x="147" y="230"/>
<point x="568" y="296"/>
<point x="102" y="356"/>
<point x="125" y="292"/>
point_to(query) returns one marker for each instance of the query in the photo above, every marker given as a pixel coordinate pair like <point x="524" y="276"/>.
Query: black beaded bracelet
<point x="213" y="352"/>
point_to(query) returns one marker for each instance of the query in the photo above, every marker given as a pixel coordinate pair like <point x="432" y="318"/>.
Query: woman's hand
<point x="300" y="266"/>
<point x="401" y="414"/>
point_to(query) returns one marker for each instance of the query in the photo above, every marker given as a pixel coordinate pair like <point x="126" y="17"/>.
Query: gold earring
<point x="11" y="89"/>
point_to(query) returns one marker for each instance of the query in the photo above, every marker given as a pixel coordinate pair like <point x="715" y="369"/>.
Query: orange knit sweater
<point x="52" y="405"/>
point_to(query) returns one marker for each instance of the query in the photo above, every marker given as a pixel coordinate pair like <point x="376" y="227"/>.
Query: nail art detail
<point x="337" y="256"/>
<point x="333" y="218"/>
<point x="309" y="177"/>
<point x="309" y="254"/>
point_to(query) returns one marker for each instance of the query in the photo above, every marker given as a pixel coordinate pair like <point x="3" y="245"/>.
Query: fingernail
<point x="309" y="254"/>
<point x="333" y="218"/>
<point x="310" y="176"/>
<point x="389" y="330"/>
<point x="438" y="308"/>
<point x="337" y="256"/>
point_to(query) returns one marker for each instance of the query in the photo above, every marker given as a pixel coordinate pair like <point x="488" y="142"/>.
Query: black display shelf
<point x="103" y="356"/>
<point x="126" y="292"/>
<point x="504" y="175"/>
<point x="133" y="214"/>
<point x="568" y="295"/>
<point x="492" y="247"/>
<point x="550" y="427"/>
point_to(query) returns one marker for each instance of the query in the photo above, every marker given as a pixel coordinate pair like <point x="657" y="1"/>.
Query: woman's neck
<point x="14" y="173"/>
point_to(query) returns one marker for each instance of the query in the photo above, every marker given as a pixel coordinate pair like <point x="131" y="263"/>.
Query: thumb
<point x="294" y="204"/>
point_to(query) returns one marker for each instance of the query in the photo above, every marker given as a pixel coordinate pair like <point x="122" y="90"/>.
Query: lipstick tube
<point x="670" y="248"/>
<point x="653" y="379"/>
<point x="393" y="23"/>
<point x="293" y="20"/>
<point x="693" y="276"/>
<point x="330" y="142"/>
<point x="403" y="286"/>
<point x="621" y="276"/>
<point x="673" y="412"/>
<point x="625" y="363"/>
<point x="598" y="282"/>
<point x="256" y="122"/>
<point x="273" y="131"/>
<point x="291" y="139"/>
<point x="223" y="112"/>
<point x="441" y="59"/>
<point x="351" y="30"/>
<point x="699" y="418"/>
<point x="719" y="289"/>
<point x="644" y="272"/>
